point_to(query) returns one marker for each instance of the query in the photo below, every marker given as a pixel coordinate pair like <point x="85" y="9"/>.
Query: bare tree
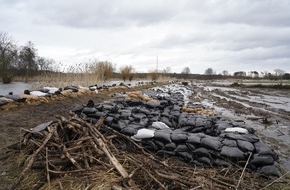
<point x="127" y="72"/>
<point x="27" y="57"/>
<point x="8" y="55"/>
<point x="166" y="70"/>
<point x="209" y="71"/>
<point x="279" y="72"/>
<point x="185" y="70"/>
<point x="225" y="73"/>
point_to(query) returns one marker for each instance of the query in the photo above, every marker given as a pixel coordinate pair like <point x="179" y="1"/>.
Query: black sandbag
<point x="88" y="110"/>
<point x="270" y="170"/>
<point x="197" y="129"/>
<point x="145" y="111"/>
<point x="222" y="163"/>
<point x="130" y="131"/>
<point x="159" y="144"/>
<point x="97" y="115"/>
<point x="170" y="146"/>
<point x="201" y="152"/>
<point x="194" y="138"/>
<point x="138" y="116"/>
<point x="73" y="88"/>
<point x="91" y="120"/>
<point x="166" y="121"/>
<point x="245" y="146"/>
<point x="149" y="145"/>
<point x="232" y="152"/>
<point x="175" y="114"/>
<point x="165" y="152"/>
<point x="185" y="155"/>
<point x="181" y="148"/>
<point x="245" y="137"/>
<point x="211" y="142"/>
<point x="15" y="98"/>
<point x="153" y="118"/>
<point x="201" y="122"/>
<point x="116" y="116"/>
<point x="262" y="160"/>
<point x="205" y="160"/>
<point x="230" y="142"/>
<point x="132" y="103"/>
<point x="179" y="137"/>
<point x="176" y="108"/>
<point x="108" y="120"/>
<point x="263" y="149"/>
<point x="152" y="105"/>
<point x="78" y="109"/>
<point x="125" y="113"/>
<point x="162" y="135"/>
<point x="191" y="147"/>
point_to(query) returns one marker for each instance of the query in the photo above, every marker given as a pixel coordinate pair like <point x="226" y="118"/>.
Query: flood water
<point x="15" y="87"/>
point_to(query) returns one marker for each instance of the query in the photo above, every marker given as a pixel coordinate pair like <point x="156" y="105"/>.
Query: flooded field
<point x="265" y="110"/>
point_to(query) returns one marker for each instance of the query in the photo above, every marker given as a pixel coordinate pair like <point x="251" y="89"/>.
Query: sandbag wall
<point x="162" y="127"/>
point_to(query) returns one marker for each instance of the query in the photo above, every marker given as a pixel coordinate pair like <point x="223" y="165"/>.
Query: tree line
<point x="20" y="61"/>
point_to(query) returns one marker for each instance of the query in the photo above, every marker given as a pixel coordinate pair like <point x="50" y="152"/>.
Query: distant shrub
<point x="127" y="72"/>
<point x="153" y="75"/>
<point x="103" y="69"/>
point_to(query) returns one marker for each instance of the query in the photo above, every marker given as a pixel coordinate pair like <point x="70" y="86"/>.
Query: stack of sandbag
<point x="163" y="128"/>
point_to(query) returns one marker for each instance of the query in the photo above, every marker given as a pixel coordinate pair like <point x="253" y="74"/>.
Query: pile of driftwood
<point x="73" y="146"/>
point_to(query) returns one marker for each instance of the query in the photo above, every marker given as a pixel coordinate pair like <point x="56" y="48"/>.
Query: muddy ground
<point x="267" y="111"/>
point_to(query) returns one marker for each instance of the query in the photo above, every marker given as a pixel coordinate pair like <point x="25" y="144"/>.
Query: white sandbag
<point x="144" y="134"/>
<point x="159" y="125"/>
<point x="37" y="93"/>
<point x="237" y="130"/>
<point x="51" y="90"/>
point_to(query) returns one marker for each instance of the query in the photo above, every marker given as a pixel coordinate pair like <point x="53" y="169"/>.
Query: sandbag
<point x="159" y="125"/>
<point x="245" y="145"/>
<point x="181" y="148"/>
<point x="170" y="146"/>
<point x="144" y="134"/>
<point x="262" y="160"/>
<point x="163" y="136"/>
<point x="263" y="149"/>
<point x="270" y="170"/>
<point x="179" y="137"/>
<point x="88" y="110"/>
<point x="211" y="142"/>
<point x="232" y="152"/>
<point x="229" y="142"/>
<point x="237" y="130"/>
<point x="194" y="138"/>
<point x="245" y="137"/>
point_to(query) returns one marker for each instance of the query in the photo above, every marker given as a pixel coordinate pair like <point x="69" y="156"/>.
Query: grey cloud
<point x="89" y="13"/>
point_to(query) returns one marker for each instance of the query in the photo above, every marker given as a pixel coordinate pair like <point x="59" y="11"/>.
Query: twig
<point x="154" y="178"/>
<point x="47" y="169"/>
<point x="241" y="177"/>
<point x="73" y="161"/>
<point x="33" y="158"/>
<point x="60" y="185"/>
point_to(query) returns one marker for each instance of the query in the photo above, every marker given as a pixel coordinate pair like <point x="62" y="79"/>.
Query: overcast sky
<point x="228" y="35"/>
